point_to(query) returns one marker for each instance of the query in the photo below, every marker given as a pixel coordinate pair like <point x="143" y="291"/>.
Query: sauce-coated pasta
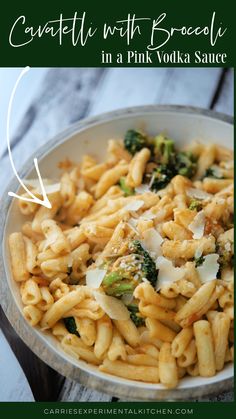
<point x="132" y="267"/>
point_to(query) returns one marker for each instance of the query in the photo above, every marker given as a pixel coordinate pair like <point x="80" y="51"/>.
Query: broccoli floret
<point x="111" y="278"/>
<point x="199" y="261"/>
<point x="138" y="265"/>
<point x="135" y="315"/>
<point x="134" y="141"/>
<point x="117" y="283"/>
<point x="126" y="189"/>
<point x="195" y="205"/>
<point x="148" y="266"/>
<point x="186" y="164"/>
<point x="119" y="289"/>
<point x="164" y="148"/>
<point x="71" y="325"/>
<point x="209" y="172"/>
<point x="170" y="163"/>
<point x="162" y="176"/>
<point x="226" y="257"/>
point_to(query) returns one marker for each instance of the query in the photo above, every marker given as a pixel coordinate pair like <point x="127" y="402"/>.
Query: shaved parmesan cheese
<point x="197" y="226"/>
<point x="148" y="215"/>
<point x="94" y="277"/>
<point x="217" y="171"/>
<point x="100" y="260"/>
<point x="134" y="205"/>
<point x="132" y="223"/>
<point x="113" y="307"/>
<point x="167" y="272"/>
<point x="209" y="268"/>
<point x="198" y="253"/>
<point x="51" y="239"/>
<point x="142" y="189"/>
<point x="48" y="186"/>
<point x="152" y="241"/>
<point x="198" y="194"/>
<point x="151" y="181"/>
<point x="127" y="299"/>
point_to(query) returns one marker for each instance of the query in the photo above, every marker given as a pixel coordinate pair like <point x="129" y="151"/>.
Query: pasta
<point x="167" y="367"/>
<point x="131" y="270"/>
<point x="205" y="349"/>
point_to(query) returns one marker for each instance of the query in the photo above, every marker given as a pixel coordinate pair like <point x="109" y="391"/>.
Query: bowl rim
<point x="25" y="331"/>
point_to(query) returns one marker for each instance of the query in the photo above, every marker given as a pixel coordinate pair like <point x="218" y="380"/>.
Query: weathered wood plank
<point x="73" y="392"/>
<point x="223" y="397"/>
<point x="124" y="87"/>
<point x="189" y="86"/>
<point x="30" y="83"/>
<point x="64" y="98"/>
<point x="13" y="384"/>
<point x="45" y="383"/>
<point x="226" y="396"/>
<point x="225" y="102"/>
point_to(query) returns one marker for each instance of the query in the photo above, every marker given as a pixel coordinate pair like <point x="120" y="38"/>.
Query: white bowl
<point x="90" y="136"/>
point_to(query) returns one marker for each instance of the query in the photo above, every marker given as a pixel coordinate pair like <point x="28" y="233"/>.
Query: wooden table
<point x="65" y="95"/>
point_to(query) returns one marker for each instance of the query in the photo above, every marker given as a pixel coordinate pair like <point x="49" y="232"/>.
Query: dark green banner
<point x="125" y="410"/>
<point x="104" y="33"/>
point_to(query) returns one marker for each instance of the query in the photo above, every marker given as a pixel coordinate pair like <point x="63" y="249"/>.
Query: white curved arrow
<point x="45" y="201"/>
